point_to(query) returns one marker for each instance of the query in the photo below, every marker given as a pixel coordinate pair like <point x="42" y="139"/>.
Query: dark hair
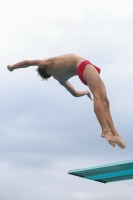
<point x="43" y="73"/>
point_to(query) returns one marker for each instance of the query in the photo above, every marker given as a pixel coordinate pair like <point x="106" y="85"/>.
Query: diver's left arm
<point x="74" y="92"/>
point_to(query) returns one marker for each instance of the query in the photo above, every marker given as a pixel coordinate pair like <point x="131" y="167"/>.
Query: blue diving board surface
<point x="112" y="172"/>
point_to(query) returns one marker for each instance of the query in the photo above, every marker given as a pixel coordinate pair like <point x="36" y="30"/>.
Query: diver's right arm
<point x="24" y="64"/>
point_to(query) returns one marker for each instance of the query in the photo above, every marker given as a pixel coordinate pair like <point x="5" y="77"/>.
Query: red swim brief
<point x="81" y="69"/>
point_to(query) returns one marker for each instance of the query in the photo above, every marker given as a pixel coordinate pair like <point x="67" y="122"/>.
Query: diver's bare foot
<point x="109" y="137"/>
<point x="119" y="141"/>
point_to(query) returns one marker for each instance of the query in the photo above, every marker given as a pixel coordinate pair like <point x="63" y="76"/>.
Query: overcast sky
<point x="44" y="130"/>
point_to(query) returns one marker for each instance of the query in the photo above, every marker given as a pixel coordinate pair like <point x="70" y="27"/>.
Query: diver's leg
<point x="109" y="120"/>
<point x="93" y="80"/>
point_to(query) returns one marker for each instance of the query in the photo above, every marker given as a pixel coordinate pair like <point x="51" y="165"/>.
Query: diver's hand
<point x="10" y="68"/>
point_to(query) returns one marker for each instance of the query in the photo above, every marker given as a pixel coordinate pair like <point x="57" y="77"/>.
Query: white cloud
<point x="43" y="188"/>
<point x="80" y="195"/>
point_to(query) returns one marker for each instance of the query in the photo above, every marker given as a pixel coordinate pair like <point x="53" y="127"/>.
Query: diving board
<point x="107" y="173"/>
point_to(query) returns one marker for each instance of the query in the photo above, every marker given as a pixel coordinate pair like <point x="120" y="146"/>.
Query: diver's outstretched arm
<point x="24" y="64"/>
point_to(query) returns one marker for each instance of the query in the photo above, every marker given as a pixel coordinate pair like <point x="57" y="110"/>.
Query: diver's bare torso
<point x="63" y="67"/>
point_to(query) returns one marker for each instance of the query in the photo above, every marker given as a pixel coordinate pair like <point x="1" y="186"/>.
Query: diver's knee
<point x="106" y="102"/>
